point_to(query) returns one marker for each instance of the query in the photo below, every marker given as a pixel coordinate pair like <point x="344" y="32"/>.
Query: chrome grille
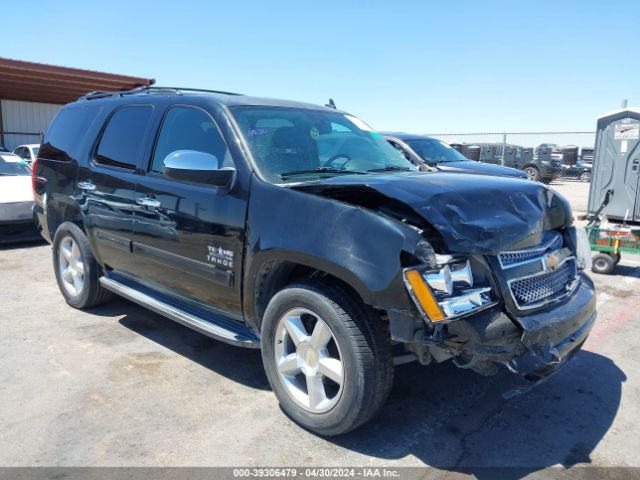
<point x="517" y="257"/>
<point x="532" y="290"/>
<point x="533" y="277"/>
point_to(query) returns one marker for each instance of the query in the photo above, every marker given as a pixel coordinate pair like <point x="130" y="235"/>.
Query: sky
<point x="416" y="66"/>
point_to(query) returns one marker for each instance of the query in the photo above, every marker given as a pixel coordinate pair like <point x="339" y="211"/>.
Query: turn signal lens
<point x="423" y="295"/>
<point x="33" y="177"/>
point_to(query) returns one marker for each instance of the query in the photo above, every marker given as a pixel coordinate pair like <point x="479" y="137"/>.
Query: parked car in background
<point x="424" y="150"/>
<point x="581" y="170"/>
<point x="16" y="200"/>
<point x="28" y="153"/>
<point x="539" y="168"/>
<point x="587" y="154"/>
<point x="537" y="164"/>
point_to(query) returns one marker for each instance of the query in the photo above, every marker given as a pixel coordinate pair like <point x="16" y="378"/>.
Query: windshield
<point x="14" y="168"/>
<point x="435" y="151"/>
<point x="294" y="144"/>
<point x="35" y="150"/>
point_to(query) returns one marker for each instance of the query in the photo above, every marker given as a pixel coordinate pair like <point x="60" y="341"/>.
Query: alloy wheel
<point x="308" y="360"/>
<point x="71" y="266"/>
<point x="532" y="173"/>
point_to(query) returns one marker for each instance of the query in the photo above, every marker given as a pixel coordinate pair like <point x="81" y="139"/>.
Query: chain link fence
<point x="545" y="156"/>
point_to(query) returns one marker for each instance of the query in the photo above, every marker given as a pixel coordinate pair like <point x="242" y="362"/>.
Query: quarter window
<point x="123" y="137"/>
<point x="66" y="133"/>
<point x="189" y="128"/>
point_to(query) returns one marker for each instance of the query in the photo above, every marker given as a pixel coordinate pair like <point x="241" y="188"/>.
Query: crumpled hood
<point x="470" y="166"/>
<point x="473" y="213"/>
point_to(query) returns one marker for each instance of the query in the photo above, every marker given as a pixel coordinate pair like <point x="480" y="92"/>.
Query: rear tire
<point x="77" y="271"/>
<point x="359" y="348"/>
<point x="602" y="263"/>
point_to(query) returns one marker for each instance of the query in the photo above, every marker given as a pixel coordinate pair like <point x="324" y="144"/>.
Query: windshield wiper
<point x="320" y="170"/>
<point x="391" y="168"/>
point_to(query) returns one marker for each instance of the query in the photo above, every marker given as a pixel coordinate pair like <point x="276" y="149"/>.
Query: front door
<point x="188" y="237"/>
<point x="107" y="187"/>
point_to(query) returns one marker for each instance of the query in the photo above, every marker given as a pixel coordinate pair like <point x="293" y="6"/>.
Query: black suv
<point x="299" y="230"/>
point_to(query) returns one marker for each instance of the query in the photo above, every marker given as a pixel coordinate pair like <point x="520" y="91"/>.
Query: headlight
<point x="577" y="240"/>
<point x="583" y="249"/>
<point x="447" y="292"/>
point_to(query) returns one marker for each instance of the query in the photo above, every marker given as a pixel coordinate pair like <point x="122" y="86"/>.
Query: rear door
<point x="189" y="237"/>
<point x="108" y="186"/>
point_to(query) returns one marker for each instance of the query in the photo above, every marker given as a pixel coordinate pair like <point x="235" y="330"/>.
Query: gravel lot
<point x="577" y="192"/>
<point x="121" y="386"/>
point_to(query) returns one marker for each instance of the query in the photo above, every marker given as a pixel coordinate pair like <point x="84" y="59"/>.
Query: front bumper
<point x="534" y="346"/>
<point x="553" y="336"/>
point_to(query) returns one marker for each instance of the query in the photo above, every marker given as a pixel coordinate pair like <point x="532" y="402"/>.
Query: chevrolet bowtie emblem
<point x="554" y="259"/>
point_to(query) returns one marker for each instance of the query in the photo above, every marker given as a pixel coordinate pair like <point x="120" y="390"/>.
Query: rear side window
<point x="123" y="137"/>
<point x="65" y="135"/>
<point x="189" y="128"/>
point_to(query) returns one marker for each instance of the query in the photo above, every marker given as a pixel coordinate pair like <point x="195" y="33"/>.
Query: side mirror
<point x="196" y="167"/>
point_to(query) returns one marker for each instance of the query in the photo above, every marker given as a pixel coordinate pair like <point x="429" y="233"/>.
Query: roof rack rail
<point x="148" y="89"/>
<point x="201" y="90"/>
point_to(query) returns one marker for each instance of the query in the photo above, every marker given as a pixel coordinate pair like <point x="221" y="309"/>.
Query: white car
<point x="16" y="200"/>
<point x="28" y="153"/>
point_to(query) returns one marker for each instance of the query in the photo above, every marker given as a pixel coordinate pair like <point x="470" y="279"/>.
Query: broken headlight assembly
<point x="577" y="239"/>
<point x="448" y="291"/>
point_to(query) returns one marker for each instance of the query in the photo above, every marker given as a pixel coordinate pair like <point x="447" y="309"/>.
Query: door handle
<point x="86" y="186"/>
<point x="148" y="202"/>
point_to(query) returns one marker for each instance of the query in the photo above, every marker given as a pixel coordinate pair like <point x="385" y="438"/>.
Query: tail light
<point x="34" y="166"/>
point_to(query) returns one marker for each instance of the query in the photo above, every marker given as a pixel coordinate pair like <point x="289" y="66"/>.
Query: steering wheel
<point x="329" y="162"/>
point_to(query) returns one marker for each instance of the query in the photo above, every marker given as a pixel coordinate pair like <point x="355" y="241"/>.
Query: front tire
<point x="327" y="357"/>
<point x="77" y="271"/>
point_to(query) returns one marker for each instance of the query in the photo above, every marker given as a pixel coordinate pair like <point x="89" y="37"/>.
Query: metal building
<point x="32" y="93"/>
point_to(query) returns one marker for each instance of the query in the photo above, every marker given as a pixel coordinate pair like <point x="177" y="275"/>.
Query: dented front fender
<point x="354" y="244"/>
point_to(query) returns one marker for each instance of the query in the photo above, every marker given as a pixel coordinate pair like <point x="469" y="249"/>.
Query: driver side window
<point x="189" y="128"/>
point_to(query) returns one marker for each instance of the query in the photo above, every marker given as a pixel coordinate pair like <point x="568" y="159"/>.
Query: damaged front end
<point x="500" y="277"/>
<point x="528" y="309"/>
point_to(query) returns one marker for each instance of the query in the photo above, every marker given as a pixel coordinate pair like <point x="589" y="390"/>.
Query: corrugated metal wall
<point x="25" y="117"/>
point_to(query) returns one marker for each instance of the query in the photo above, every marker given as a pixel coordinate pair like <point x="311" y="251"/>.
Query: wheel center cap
<point x="309" y="357"/>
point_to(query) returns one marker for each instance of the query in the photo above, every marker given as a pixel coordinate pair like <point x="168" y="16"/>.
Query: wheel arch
<point x="276" y="272"/>
<point x="63" y="209"/>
